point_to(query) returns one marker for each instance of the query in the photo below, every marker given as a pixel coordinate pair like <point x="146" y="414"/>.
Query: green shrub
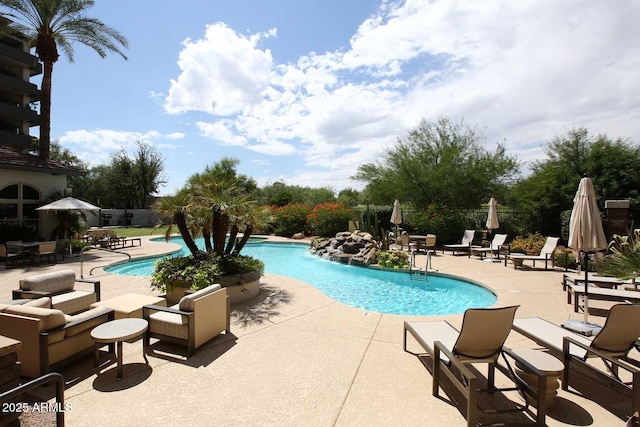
<point x="329" y="218"/>
<point x="291" y="219"/>
<point x="393" y="259"/>
<point x="445" y="224"/>
<point x="531" y="244"/>
<point x="564" y="258"/>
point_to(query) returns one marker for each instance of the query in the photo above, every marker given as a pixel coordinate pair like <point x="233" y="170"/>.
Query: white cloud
<point x="221" y="73"/>
<point x="528" y="69"/>
<point x="96" y="146"/>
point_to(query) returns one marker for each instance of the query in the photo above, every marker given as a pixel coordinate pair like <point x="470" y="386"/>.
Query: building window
<point x="18" y="203"/>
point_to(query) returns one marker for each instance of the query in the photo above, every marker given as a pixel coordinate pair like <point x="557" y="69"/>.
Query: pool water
<point x="365" y="288"/>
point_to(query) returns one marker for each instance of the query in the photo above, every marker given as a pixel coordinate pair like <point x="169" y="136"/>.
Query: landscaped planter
<point x="242" y="287"/>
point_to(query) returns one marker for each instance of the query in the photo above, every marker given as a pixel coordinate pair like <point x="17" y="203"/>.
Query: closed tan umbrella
<point x="585" y="231"/>
<point x="492" y="218"/>
<point x="396" y="215"/>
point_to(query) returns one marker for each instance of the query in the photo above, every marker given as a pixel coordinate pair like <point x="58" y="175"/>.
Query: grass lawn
<point x="141" y="231"/>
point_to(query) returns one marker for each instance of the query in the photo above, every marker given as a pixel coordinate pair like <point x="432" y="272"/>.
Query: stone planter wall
<point x="240" y="288"/>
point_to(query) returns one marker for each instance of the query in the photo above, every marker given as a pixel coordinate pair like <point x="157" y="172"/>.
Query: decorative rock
<point x="298" y="236"/>
<point x="355" y="248"/>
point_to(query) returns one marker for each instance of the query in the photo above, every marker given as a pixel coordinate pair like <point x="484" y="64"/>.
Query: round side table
<point x="547" y="364"/>
<point x="117" y="331"/>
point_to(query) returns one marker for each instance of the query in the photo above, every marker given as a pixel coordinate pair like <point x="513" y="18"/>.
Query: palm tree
<point x="53" y="24"/>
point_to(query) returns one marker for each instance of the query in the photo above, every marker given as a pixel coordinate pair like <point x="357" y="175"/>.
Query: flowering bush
<point x="291" y="219"/>
<point x="393" y="259"/>
<point x="445" y="224"/>
<point x="531" y="244"/>
<point x="329" y="218"/>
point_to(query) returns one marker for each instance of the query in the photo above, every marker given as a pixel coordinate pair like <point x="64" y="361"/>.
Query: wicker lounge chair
<point x="464" y="245"/>
<point x="612" y="345"/>
<point x="480" y="340"/>
<point x="546" y="254"/>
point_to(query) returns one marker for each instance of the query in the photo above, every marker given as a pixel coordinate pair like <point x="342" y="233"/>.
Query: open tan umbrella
<point x="68" y="204"/>
<point x="492" y="218"/>
<point x="585" y="231"/>
<point x="396" y="216"/>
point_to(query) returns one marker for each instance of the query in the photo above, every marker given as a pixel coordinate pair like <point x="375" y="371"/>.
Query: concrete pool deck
<point x="296" y="357"/>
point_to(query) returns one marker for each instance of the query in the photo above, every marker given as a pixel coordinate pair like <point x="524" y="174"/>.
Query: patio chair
<point x="47" y="249"/>
<point x="611" y="345"/>
<point x="546" y="254"/>
<point x="464" y="245"/>
<point x="9" y="256"/>
<point x="195" y="320"/>
<point x="493" y="249"/>
<point x="480" y="340"/>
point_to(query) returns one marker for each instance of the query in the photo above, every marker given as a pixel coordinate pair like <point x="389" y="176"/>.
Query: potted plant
<point x="214" y="206"/>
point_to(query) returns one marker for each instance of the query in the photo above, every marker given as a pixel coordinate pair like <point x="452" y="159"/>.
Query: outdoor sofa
<point x="60" y="287"/>
<point x="49" y="337"/>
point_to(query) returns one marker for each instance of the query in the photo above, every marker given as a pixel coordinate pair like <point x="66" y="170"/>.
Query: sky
<point x="303" y="92"/>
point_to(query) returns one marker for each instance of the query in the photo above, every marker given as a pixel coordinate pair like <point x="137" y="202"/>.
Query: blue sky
<point x="305" y="91"/>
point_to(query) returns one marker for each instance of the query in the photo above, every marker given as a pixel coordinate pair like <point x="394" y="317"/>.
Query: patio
<point x="296" y="357"/>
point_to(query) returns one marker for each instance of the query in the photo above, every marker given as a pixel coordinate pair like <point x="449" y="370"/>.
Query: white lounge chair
<point x="546" y="254"/>
<point x="493" y="249"/>
<point x="464" y="245"/>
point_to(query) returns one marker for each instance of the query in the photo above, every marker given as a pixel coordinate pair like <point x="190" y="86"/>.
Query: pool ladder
<point x="417" y="272"/>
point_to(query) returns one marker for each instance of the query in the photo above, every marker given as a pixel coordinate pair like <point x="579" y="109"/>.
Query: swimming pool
<point x="365" y="288"/>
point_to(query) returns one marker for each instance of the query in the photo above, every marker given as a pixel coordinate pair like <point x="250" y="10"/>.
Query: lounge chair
<point x="493" y="249"/>
<point x="480" y="340"/>
<point x="574" y="292"/>
<point x="601" y="281"/>
<point x="611" y="344"/>
<point x="546" y="254"/>
<point x="464" y="245"/>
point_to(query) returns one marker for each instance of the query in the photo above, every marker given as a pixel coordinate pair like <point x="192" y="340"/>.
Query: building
<point x="25" y="180"/>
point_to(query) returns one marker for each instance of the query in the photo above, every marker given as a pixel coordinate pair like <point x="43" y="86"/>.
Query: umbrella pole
<point x="586" y="286"/>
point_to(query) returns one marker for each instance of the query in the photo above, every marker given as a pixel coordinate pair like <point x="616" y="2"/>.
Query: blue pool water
<point x="366" y="288"/>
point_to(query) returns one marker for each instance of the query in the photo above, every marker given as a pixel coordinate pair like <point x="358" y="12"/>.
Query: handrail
<point x="82" y="251"/>
<point x="45" y="379"/>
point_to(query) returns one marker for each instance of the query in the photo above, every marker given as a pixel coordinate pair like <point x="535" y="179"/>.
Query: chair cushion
<point x="86" y="323"/>
<point x="3" y="307"/>
<point x="57" y="281"/>
<point x="73" y="302"/>
<point x="49" y="318"/>
<point x="169" y="324"/>
<point x="186" y="303"/>
<point x="44" y="302"/>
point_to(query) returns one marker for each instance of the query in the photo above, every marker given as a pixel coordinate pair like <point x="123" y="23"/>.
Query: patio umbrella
<point x="68" y="204"/>
<point x="396" y="215"/>
<point x="585" y="231"/>
<point x="492" y="218"/>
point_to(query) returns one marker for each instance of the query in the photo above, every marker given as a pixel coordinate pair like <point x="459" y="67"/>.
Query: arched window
<point x="18" y="203"/>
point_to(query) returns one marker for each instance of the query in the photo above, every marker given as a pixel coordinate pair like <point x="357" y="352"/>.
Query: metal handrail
<point x="82" y="251"/>
<point x="45" y="379"/>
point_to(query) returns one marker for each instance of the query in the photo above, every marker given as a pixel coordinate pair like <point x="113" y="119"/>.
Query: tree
<point x="613" y="165"/>
<point x="216" y="206"/>
<point x="349" y="197"/>
<point x="49" y="24"/>
<point x="148" y="167"/>
<point x="125" y="182"/>
<point x="440" y="163"/>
